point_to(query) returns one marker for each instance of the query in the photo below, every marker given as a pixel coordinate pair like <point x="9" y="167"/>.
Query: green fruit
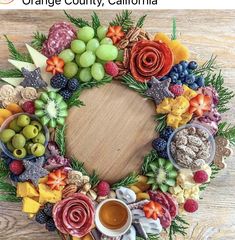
<point x="23" y="120"/>
<point x="67" y="55"/>
<point x="86" y="33"/>
<point x="85" y="75"/>
<point x="107" y="52"/>
<point x="19" y="153"/>
<point x="92" y="45"/>
<point x="6" y="135"/>
<point x="37" y="125"/>
<point x="70" y="69"/>
<point x="18" y="141"/>
<point x="13" y="125"/>
<point x="10" y="147"/>
<point x="78" y="46"/>
<point x="120" y="56"/>
<point x="97" y="71"/>
<point x="162" y="174"/>
<point x="40" y="138"/>
<point x="77" y="60"/>
<point x="101" y="32"/>
<point x="28" y="146"/>
<point x="106" y="41"/>
<point x="87" y="59"/>
<point x="38" y="149"/>
<point x="30" y="131"/>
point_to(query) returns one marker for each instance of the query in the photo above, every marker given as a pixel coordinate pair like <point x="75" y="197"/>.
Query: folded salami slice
<point x="173" y="205"/>
<point x="150" y="59"/>
<point x="165" y="219"/>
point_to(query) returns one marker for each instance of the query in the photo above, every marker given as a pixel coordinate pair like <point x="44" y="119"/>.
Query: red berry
<point x="176" y="89"/>
<point x="29" y="107"/>
<point x="16" y="167"/>
<point x="200" y="176"/>
<point x="111" y="69"/>
<point x="191" y="205"/>
<point x="103" y="188"/>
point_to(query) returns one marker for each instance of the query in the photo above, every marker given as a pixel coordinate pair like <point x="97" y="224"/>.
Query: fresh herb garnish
<point x="228" y="131"/>
<point x="95" y="22"/>
<point x="124" y="20"/>
<point x="161" y="122"/>
<point x="150" y="157"/>
<point x="60" y="139"/>
<point x="125" y="182"/>
<point x="79" y="22"/>
<point x="178" y="226"/>
<point x="10" y="73"/>
<point x="38" y="40"/>
<point x="94" y="83"/>
<point x="174" y="32"/>
<point x="140" y="22"/>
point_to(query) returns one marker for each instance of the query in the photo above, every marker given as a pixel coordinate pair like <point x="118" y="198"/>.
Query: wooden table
<point x="114" y="130"/>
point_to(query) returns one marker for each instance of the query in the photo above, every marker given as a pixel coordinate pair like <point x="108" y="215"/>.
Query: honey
<point x="113" y="215"/>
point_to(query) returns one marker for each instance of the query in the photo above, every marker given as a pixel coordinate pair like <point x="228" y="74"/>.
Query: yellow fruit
<point x="26" y="189"/>
<point x="135" y="189"/>
<point x="142" y="179"/>
<point x="189" y="93"/>
<point x="48" y="195"/>
<point x="30" y="206"/>
<point x="142" y="186"/>
<point x="181" y="104"/>
<point x="173" y="120"/>
<point x="4" y="113"/>
<point x="162" y="37"/>
<point x="164" y="107"/>
<point x="142" y="196"/>
<point x="14" y="108"/>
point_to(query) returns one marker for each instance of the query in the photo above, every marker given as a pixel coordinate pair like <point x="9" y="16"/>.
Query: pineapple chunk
<point x="48" y="195"/>
<point x="30" y="206"/>
<point x="26" y="189"/>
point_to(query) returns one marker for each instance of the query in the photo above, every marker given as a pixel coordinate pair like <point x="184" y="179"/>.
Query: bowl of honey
<point x="113" y="217"/>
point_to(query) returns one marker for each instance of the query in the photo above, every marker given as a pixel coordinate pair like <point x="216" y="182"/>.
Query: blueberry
<point x="183" y="74"/>
<point x="192" y="65"/>
<point x="164" y="78"/>
<point x="193" y="86"/>
<point x="200" y="81"/>
<point x="190" y="79"/>
<point x="178" y="68"/>
<point x="174" y="77"/>
<point x="184" y="64"/>
<point x="179" y="82"/>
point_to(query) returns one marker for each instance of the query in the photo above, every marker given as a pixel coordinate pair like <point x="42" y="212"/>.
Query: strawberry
<point x="56" y="179"/>
<point x="103" y="188"/>
<point x="200" y="104"/>
<point x="111" y="69"/>
<point x="153" y="210"/>
<point x="16" y="167"/>
<point x="55" y="65"/>
<point x="115" y="33"/>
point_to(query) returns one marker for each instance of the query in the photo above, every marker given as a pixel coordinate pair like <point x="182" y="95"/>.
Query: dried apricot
<point x="162" y="37"/>
<point x="4" y="113"/>
<point x="14" y="108"/>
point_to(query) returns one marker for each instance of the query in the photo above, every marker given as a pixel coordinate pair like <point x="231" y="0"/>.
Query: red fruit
<point x="115" y="33"/>
<point x="200" y="176"/>
<point x="177" y="90"/>
<point x="200" y="104"/>
<point x="16" y="167"/>
<point x="103" y="188"/>
<point x="29" y="107"/>
<point x="111" y="69"/>
<point x="153" y="210"/>
<point x="55" y="65"/>
<point x="56" y="179"/>
<point x="191" y="205"/>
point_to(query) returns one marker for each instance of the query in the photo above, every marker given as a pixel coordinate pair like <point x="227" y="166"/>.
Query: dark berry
<point x="200" y="81"/>
<point x="166" y="133"/>
<point x="59" y="81"/>
<point x="50" y="225"/>
<point x="159" y="144"/>
<point x="190" y="79"/>
<point x="178" y="82"/>
<point x="184" y="64"/>
<point x="149" y="84"/>
<point x="163" y="154"/>
<point x="73" y="84"/>
<point x="174" y="77"/>
<point x="14" y="178"/>
<point x="193" y="86"/>
<point x="178" y="68"/>
<point x="48" y="207"/>
<point x="192" y="65"/>
<point x="164" y="78"/>
<point x="41" y="217"/>
<point x="183" y="74"/>
<point x="66" y="94"/>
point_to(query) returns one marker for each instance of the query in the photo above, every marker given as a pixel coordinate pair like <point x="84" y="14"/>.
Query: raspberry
<point x="48" y="207"/>
<point x="200" y="176"/>
<point x="190" y="205"/>
<point x="111" y="69"/>
<point x="50" y="225"/>
<point x="159" y="144"/>
<point x="29" y="107"/>
<point x="73" y="85"/>
<point x="176" y="89"/>
<point x="59" y="81"/>
<point x="66" y="94"/>
<point x="41" y="217"/>
<point x="103" y="188"/>
<point x="166" y="133"/>
<point x="16" y="167"/>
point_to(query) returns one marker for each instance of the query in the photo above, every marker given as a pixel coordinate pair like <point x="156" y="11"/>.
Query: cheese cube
<point x="30" y="206"/>
<point x="48" y="195"/>
<point x="26" y="189"/>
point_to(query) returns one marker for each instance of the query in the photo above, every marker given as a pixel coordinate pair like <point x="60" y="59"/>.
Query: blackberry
<point x="48" y="207"/>
<point x="159" y="144"/>
<point x="163" y="154"/>
<point x="14" y="177"/>
<point x="59" y="81"/>
<point x="66" y="94"/>
<point x="73" y="84"/>
<point x="166" y="133"/>
<point x="41" y="217"/>
<point x="50" y="225"/>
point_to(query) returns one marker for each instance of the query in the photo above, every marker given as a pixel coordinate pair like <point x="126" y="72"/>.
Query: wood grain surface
<point x="113" y="131"/>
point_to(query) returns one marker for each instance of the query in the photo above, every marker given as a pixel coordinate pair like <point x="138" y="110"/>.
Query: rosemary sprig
<point x="150" y="157"/>
<point x="207" y="67"/>
<point x="161" y="122"/>
<point x="178" y="226"/>
<point x="133" y="84"/>
<point x="95" y="22"/>
<point x="7" y="192"/>
<point x="225" y="95"/>
<point x="150" y="237"/>
<point x="130" y="179"/>
<point x="174" y="32"/>
<point x="228" y="131"/>
<point x="74" y="101"/>
<point x="38" y="40"/>
<point x="79" y="22"/>
<point x="4" y="170"/>
<point x="15" y="54"/>
<point x="60" y="139"/>
<point x="94" y="83"/>
<point x="123" y="19"/>
<point x="94" y="179"/>
<point x="10" y="73"/>
<point x="140" y="22"/>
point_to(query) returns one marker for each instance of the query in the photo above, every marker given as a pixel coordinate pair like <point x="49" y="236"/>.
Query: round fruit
<point x="37" y="125"/>
<point x="97" y="71"/>
<point x="40" y="138"/>
<point x="70" y="69"/>
<point x="13" y="125"/>
<point x="78" y="46"/>
<point x="18" y="141"/>
<point x="16" y="167"/>
<point x="7" y="135"/>
<point x="67" y="55"/>
<point x="77" y="60"/>
<point x="107" y="52"/>
<point x="23" y="120"/>
<point x="29" y="107"/>
<point x="38" y="149"/>
<point x="92" y="45"/>
<point x="10" y="147"/>
<point x="19" y="153"/>
<point x="86" y="33"/>
<point x="30" y="131"/>
<point x="85" y="75"/>
<point x="101" y="32"/>
<point x="106" y="41"/>
<point x="28" y="146"/>
<point x="87" y="59"/>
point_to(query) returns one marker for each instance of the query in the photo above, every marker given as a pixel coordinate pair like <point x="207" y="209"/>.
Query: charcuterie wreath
<point x="55" y="189"/>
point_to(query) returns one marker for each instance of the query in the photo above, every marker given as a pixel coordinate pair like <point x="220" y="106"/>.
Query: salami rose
<point x="60" y="36"/>
<point x="150" y="59"/>
<point x="74" y="215"/>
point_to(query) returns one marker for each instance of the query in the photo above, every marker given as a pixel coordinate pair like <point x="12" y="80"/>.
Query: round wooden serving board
<point x="113" y="132"/>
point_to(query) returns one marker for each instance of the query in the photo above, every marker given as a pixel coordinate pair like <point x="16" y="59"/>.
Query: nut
<point x="92" y="195"/>
<point x="69" y="190"/>
<point x="86" y="187"/>
<point x="112" y="194"/>
<point x="83" y="192"/>
<point x="100" y="199"/>
<point x="86" y="179"/>
<point x="123" y="44"/>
